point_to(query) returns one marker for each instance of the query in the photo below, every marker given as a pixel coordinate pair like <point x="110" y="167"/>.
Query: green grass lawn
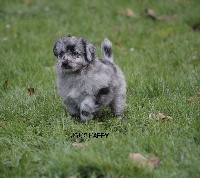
<point x="161" y="62"/>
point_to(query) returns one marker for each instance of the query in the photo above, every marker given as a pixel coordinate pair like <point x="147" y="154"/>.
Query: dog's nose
<point x="65" y="63"/>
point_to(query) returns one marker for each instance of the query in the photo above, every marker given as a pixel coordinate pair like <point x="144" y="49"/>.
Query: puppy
<point x="85" y="83"/>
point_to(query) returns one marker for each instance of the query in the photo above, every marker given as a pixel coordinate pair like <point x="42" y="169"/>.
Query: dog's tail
<point x="106" y="49"/>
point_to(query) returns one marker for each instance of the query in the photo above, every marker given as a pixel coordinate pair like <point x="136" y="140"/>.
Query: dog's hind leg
<point x="72" y="108"/>
<point x="118" y="104"/>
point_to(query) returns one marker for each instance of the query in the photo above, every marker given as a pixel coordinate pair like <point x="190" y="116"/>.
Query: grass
<point x="162" y="73"/>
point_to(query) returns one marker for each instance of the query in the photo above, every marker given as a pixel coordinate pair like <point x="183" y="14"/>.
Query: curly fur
<point x="85" y="83"/>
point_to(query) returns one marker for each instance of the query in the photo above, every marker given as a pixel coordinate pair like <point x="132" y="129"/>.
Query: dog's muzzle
<point x="65" y="65"/>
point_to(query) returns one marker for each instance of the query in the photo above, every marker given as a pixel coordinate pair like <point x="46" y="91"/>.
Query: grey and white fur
<point x="85" y="83"/>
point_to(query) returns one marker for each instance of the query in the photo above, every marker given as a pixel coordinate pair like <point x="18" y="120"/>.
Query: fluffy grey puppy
<point x="85" y="83"/>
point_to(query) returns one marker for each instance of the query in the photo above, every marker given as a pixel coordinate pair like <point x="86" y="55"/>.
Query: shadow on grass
<point x="88" y="171"/>
<point x="103" y="116"/>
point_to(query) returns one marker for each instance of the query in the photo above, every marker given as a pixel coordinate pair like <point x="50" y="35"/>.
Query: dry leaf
<point x="194" y="99"/>
<point x="127" y="12"/>
<point x="79" y="145"/>
<point x="139" y="159"/>
<point x="154" y="162"/>
<point x="150" y="13"/>
<point x="163" y="117"/>
<point x="160" y="116"/>
<point x="144" y="162"/>
<point x="31" y="91"/>
<point x="191" y="100"/>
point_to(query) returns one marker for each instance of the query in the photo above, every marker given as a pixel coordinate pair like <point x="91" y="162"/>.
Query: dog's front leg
<point x="87" y="109"/>
<point x="72" y="108"/>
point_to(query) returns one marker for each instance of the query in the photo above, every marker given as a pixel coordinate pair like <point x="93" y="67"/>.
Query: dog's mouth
<point x="77" y="67"/>
<point x="67" y="67"/>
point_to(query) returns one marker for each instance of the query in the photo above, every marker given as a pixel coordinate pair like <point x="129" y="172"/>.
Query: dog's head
<point x="73" y="53"/>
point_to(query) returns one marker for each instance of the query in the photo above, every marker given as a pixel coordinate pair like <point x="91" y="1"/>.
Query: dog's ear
<point x="90" y="51"/>
<point x="55" y="52"/>
<point x="58" y="46"/>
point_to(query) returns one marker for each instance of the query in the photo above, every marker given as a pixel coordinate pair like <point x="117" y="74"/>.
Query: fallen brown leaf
<point x="139" y="159"/>
<point x="160" y="116"/>
<point x="79" y="145"/>
<point x="127" y="12"/>
<point x="154" y="162"/>
<point x="31" y="91"/>
<point x="144" y="162"/>
<point x="191" y="100"/>
<point x="150" y="13"/>
<point x="163" y="117"/>
<point x="194" y="99"/>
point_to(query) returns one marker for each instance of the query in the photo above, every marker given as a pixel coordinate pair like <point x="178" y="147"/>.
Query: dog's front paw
<point x="87" y="109"/>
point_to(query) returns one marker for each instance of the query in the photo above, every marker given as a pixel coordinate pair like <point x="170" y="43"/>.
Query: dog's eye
<point x="76" y="53"/>
<point x="61" y="54"/>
